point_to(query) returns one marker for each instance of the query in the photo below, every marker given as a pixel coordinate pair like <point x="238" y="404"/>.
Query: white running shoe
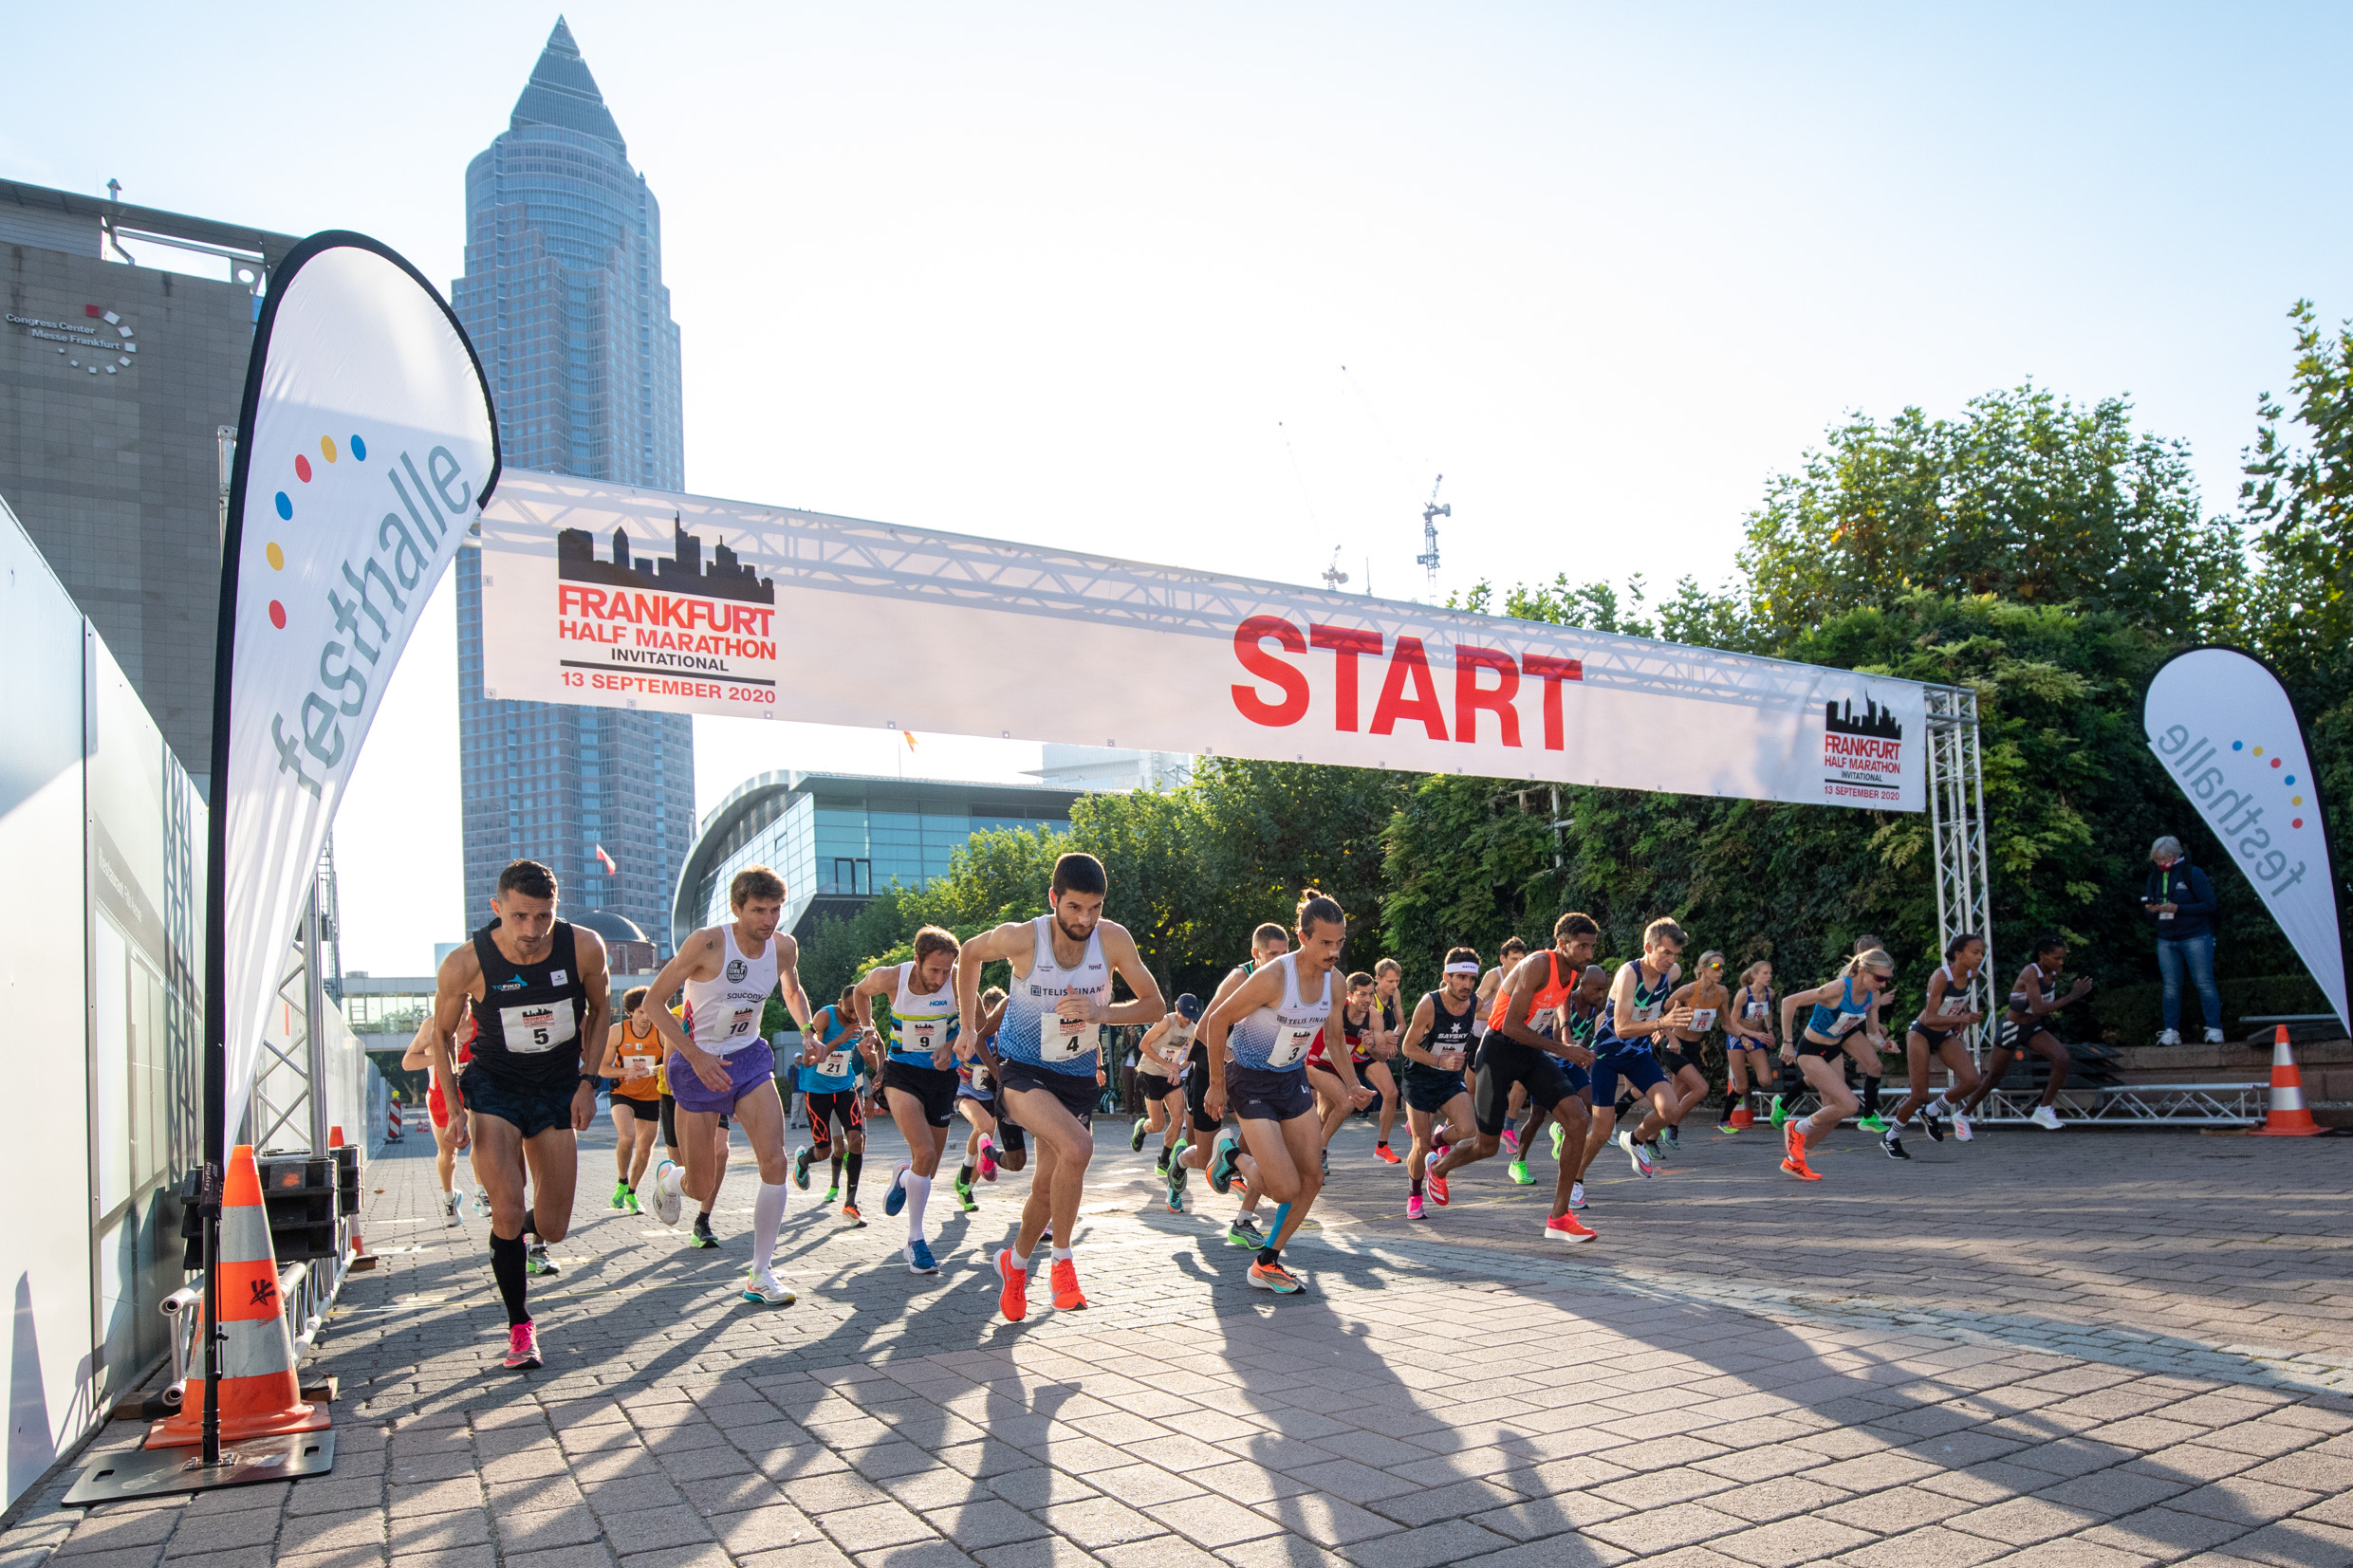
<point x="2214" y="1036"/>
<point x="2046" y="1118"/>
<point x="667" y="1193"/>
<point x="1962" y="1132"/>
<point x="763" y="1288"/>
<point x="1576" y="1194"/>
<point x="1635" y="1153"/>
<point x="448" y="1207"/>
<point x="2169" y="1036"/>
<point x="481" y="1204"/>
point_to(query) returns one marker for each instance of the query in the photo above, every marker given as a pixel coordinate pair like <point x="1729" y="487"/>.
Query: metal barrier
<point x="2136" y="1105"/>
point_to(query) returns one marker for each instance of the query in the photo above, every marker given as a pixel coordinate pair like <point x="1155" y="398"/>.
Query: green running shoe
<point x="1521" y="1174"/>
<point x="1135" y="1135"/>
<point x="537" y="1261"/>
<point x="620" y="1197"/>
<point x="964" y="1196"/>
<point x="1873" y="1124"/>
<point x="1243" y="1232"/>
<point x="831" y="1194"/>
<point x="1781" y="1111"/>
<point x="1558" y="1138"/>
<point x="633" y="1201"/>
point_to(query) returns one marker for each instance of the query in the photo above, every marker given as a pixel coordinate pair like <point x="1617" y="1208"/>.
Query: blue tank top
<point x="1839" y="1022"/>
<point x="1650" y="1002"/>
<point x="1276" y="1038"/>
<point x="843" y="1064"/>
<point x="1034" y="1032"/>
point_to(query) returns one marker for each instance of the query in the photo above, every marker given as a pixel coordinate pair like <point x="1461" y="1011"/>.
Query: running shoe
<point x="1512" y="1141"/>
<point x="666" y="1193"/>
<point x="1961" y="1129"/>
<point x="1636" y="1154"/>
<point x="833" y="1195"/>
<point x="1175" y="1174"/>
<point x="481" y="1204"/>
<point x="1388" y="1153"/>
<point x="987" y="1157"/>
<point x="701" y="1237"/>
<point x="2046" y="1118"/>
<point x="1781" y="1111"/>
<point x="849" y="1212"/>
<point x="1559" y="1138"/>
<point x="1576" y="1194"/>
<point x="1160" y="1161"/>
<point x="1276" y="1277"/>
<point x="537" y="1261"/>
<point x="1675" y="1137"/>
<point x="448" y="1207"/>
<point x="1435" y="1185"/>
<point x="1894" y="1145"/>
<point x="635" y="1207"/>
<point x="1221" y="1157"/>
<point x="1565" y="1227"/>
<point x="1873" y="1123"/>
<point x="762" y="1289"/>
<point x="1521" y="1174"/>
<point x="1658" y="1155"/>
<point x="1413" y="1206"/>
<point x="523" y="1346"/>
<point x="1800" y="1171"/>
<point x="1933" y="1127"/>
<point x="799" y="1167"/>
<point x="1244" y="1232"/>
<point x="964" y="1196"/>
<point x="621" y="1198"/>
<point x="1324" y="1161"/>
<point x="918" y="1256"/>
<point x="1135" y="1135"/>
<point x="1013" y="1287"/>
<point x="896" y="1199"/>
<point x="1793" y="1153"/>
<point x="1064" y="1275"/>
<point x="1726" y="1127"/>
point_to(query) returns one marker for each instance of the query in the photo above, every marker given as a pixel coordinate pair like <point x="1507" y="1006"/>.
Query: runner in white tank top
<point x="918" y="1075"/>
<point x="1264" y="1025"/>
<point x="721" y="1065"/>
<point x="1048" y="1054"/>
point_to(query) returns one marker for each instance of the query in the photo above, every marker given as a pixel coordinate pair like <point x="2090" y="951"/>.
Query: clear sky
<point x="1086" y="275"/>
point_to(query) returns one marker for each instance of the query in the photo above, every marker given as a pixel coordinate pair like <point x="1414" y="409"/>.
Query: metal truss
<point x="2117" y="1105"/>
<point x="1957" y="834"/>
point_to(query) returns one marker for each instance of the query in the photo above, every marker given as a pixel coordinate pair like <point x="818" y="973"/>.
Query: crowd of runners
<point x="1245" y="1093"/>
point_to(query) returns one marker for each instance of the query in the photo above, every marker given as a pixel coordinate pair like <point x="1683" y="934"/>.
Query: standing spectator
<point x="2181" y="901"/>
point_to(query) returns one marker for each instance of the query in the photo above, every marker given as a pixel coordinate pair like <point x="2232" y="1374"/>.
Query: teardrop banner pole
<point x="366" y="444"/>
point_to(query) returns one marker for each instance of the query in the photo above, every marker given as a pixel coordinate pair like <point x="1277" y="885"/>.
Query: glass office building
<point x="839" y="838"/>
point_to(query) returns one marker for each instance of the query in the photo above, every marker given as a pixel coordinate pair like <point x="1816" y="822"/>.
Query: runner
<point x="1842" y="1008"/>
<point x="833" y="1058"/>
<point x="1748" y="1039"/>
<point x="1372" y="1063"/>
<point x="1048" y="1052"/>
<point x="700" y="1235"/>
<point x="1266" y="1025"/>
<point x="1437" y="1049"/>
<point x="1332" y="1075"/>
<point x="1551" y="1070"/>
<point x="1267" y="943"/>
<point x="633" y="1060"/>
<point x="1512" y="953"/>
<point x="2031" y="999"/>
<point x="1680" y="1051"/>
<point x="537" y="987"/>
<point x="725" y="1067"/>
<point x="1164" y="1062"/>
<point x="1863" y="1050"/>
<point x="448" y="1130"/>
<point x="1639" y="1014"/>
<point x="977" y="1099"/>
<point x="918" y="1078"/>
<point x="1944" y="1013"/>
<point x="1002" y="1144"/>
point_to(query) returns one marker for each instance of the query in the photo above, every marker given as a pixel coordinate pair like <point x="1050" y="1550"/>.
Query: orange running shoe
<point x="1276" y="1277"/>
<point x="1436" y="1184"/>
<point x="1566" y="1227"/>
<point x="1068" y="1297"/>
<point x="849" y="1212"/>
<point x="1803" y="1172"/>
<point x="1387" y="1153"/>
<point x="1013" y="1294"/>
<point x="1793" y="1161"/>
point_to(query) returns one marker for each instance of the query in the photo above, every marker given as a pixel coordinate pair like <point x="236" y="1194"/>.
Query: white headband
<point x="1462" y="968"/>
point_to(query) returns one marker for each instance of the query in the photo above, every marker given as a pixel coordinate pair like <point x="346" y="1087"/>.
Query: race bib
<point x="1703" y="1020"/>
<point x="1647" y="1013"/>
<point x="1847" y="1024"/>
<point x="1290" y="1046"/>
<point x="1756" y="1012"/>
<point x="835" y="1065"/>
<point x="921" y="1036"/>
<point x="638" y="1067"/>
<point x="1065" y="1039"/>
<point x="747" y="1019"/>
<point x="536" y="1029"/>
<point x="1953" y="1007"/>
<point x="1176" y="1047"/>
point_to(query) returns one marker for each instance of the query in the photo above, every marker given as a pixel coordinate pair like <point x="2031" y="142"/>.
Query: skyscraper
<point x="562" y="295"/>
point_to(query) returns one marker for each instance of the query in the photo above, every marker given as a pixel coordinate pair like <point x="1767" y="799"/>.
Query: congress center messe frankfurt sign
<point x="609" y="596"/>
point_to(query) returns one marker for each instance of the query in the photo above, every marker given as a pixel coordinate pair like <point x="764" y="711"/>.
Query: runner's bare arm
<point x="698" y="958"/>
<point x="1145" y="1005"/>
<point x="881" y="982"/>
<point x="608" y="1063"/>
<point x="420" y="1053"/>
<point x="454" y="985"/>
<point x="1264" y="988"/>
<point x="588" y="952"/>
<point x="1012" y="942"/>
<point x="1418" y="1027"/>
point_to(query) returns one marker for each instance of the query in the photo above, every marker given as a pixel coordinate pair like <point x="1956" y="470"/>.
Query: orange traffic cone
<point x="2287" y="1117"/>
<point x="259" y="1393"/>
<point x="1741" y="1117"/>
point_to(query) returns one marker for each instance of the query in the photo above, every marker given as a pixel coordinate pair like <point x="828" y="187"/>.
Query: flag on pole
<point x="910" y="734"/>
<point x="610" y="869"/>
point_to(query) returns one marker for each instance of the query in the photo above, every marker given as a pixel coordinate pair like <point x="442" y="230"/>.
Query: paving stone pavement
<point x="2111" y="1348"/>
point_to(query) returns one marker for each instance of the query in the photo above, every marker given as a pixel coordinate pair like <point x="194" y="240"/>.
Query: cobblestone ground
<point x="2073" y="1347"/>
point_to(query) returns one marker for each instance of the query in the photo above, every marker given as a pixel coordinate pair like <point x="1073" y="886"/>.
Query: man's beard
<point x="1078" y="936"/>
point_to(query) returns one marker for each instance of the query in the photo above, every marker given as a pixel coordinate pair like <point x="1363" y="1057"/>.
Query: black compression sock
<point x="1268" y="1256"/>
<point x="702" y="1222"/>
<point x="1870" y="1097"/>
<point x="964" y="1175"/>
<point x="851" y="1169"/>
<point x="506" y="1268"/>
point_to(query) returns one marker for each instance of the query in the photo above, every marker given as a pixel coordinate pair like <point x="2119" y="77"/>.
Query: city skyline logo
<point x="1861" y="753"/>
<point x="1879" y="722"/>
<point x="724" y="577"/>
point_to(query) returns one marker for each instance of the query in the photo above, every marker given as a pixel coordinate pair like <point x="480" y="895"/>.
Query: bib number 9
<point x="529" y="1030"/>
<point x="920" y="1036"/>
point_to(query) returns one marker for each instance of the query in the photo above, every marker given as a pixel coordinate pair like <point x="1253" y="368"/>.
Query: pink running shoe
<point x="1511" y="1143"/>
<point x="1413" y="1206"/>
<point x="523" y="1346"/>
<point x="988" y="1158"/>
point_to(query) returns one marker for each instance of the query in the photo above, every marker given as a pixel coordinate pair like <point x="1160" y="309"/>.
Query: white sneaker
<point x="2046" y="1118"/>
<point x="2214" y="1037"/>
<point x="1576" y="1194"/>
<point x="448" y="1207"/>
<point x="1635" y="1153"/>
<point x="481" y="1204"/>
<point x="763" y="1288"/>
<point x="2169" y="1036"/>
<point x="667" y="1193"/>
<point x="1962" y="1132"/>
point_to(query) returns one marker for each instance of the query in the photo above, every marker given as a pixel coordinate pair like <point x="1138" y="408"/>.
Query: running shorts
<point x="438" y="1107"/>
<point x="1077" y="1091"/>
<point x="1504" y="1061"/>
<point x="1429" y="1090"/>
<point x="530" y="1108"/>
<point x="1935" y="1037"/>
<point x="751" y="1068"/>
<point x="824" y="1109"/>
<point x="646" y="1109"/>
<point x="934" y="1087"/>
<point x="1636" y="1069"/>
<point x="1268" y="1093"/>
<point x="1009" y="1136"/>
<point x="1196" y="1092"/>
<point x="1808" y="1045"/>
<point x="1675" y="1061"/>
<point x="1153" y="1086"/>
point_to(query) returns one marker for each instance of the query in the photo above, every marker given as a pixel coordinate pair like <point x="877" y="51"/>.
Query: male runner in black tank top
<point x="539" y="988"/>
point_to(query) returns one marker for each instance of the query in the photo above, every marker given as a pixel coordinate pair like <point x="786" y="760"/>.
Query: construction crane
<point x="1431" y="513"/>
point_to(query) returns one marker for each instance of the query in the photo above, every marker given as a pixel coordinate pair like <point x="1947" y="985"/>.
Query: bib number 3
<point x="1290" y="1047"/>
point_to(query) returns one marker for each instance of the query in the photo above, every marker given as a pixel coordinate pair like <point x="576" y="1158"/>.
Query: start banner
<point x="603" y="595"/>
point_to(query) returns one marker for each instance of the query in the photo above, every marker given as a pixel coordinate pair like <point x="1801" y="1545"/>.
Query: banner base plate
<point x="157" y="1472"/>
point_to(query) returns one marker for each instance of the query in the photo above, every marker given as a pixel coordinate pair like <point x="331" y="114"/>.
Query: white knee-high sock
<point x="768" y="1213"/>
<point x="919" y="1188"/>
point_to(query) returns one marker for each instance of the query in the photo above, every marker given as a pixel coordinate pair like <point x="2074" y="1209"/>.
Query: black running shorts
<point x="1504" y="1061"/>
<point x="1076" y="1091"/>
<point x="1675" y="1061"/>
<point x="824" y="1109"/>
<point x="1427" y="1089"/>
<point x="1268" y="1093"/>
<point x="1196" y="1090"/>
<point x="1153" y="1086"/>
<point x="934" y="1087"/>
<point x="530" y="1108"/>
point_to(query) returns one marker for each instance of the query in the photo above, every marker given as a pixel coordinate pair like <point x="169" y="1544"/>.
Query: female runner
<point x="2031" y="999"/>
<point x="1841" y="1007"/>
<point x="1679" y="1053"/>
<point x="1936" y="1032"/>
<point x="1747" y="1041"/>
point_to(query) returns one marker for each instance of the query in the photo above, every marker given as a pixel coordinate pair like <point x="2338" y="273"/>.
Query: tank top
<point x="1276" y="1038"/>
<point x="1955" y="997"/>
<point x="1839" y="1022"/>
<point x="1033" y="1031"/>
<point x="643" y="1052"/>
<point x="1448" y="1032"/>
<point x="723" y="1013"/>
<point x="1650" y="1001"/>
<point x="838" y="1069"/>
<point x="2018" y="1000"/>
<point x="1551" y="994"/>
<point x="527" y="1023"/>
<point x="1755" y="1008"/>
<point x="922" y="1020"/>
